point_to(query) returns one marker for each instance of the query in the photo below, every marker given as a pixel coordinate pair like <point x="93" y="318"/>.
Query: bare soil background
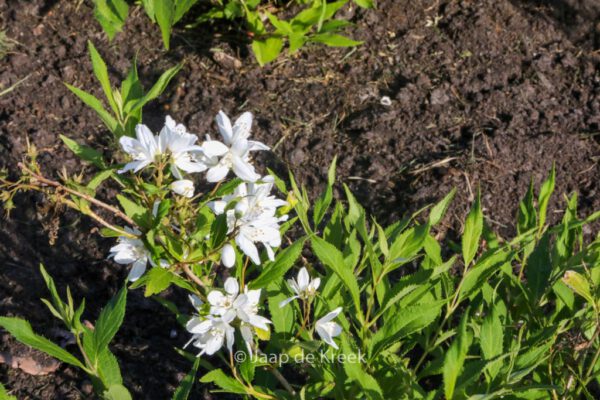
<point x="483" y="93"/>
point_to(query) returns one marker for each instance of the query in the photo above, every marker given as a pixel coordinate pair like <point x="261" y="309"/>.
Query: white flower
<point x="181" y="145"/>
<point x="173" y="140"/>
<point x="228" y="256"/>
<point x="234" y="152"/>
<point x="264" y="230"/>
<point x="303" y="286"/>
<point x="327" y="329"/>
<point x="222" y="303"/>
<point x="130" y="250"/>
<point x="142" y="150"/>
<point x="247" y="312"/>
<point x="246" y="307"/>
<point x="211" y="333"/>
<point x="183" y="187"/>
<point x="253" y="217"/>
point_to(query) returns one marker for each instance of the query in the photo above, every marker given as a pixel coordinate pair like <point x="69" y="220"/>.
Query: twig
<point x="84" y="196"/>
<point x="192" y="276"/>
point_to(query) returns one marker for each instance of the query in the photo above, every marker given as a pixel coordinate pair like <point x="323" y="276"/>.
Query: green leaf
<point x="527" y="215"/>
<point x="109" y="321"/>
<point x="111" y="14"/>
<point x="365" y="3"/>
<point x="472" y="232"/>
<point x="487" y="265"/>
<point x="334" y="260"/>
<point x="218" y="231"/>
<point x="101" y="73"/>
<point x="491" y="340"/>
<point x="334" y="40"/>
<point x="22" y="331"/>
<point x="296" y="41"/>
<point x="164" y="13"/>
<point x="439" y="210"/>
<point x="324" y="201"/>
<point x="223" y="381"/>
<point x="545" y="192"/>
<point x="131" y="92"/>
<point x="455" y="358"/>
<point x="405" y="320"/>
<point x="108" y="368"/>
<point x="539" y="268"/>
<point x="99" y="178"/>
<point x="97" y="106"/>
<point x="281" y="26"/>
<point x="116" y="392"/>
<point x="355" y="371"/>
<point x="158" y="88"/>
<point x="408" y="244"/>
<point x="158" y="280"/>
<point x="579" y="284"/>
<point x="58" y="308"/>
<point x="181" y="8"/>
<point x="266" y="50"/>
<point x="149" y="8"/>
<point x="4" y="394"/>
<point x="282" y="318"/>
<point x="133" y="210"/>
<point x="84" y="152"/>
<point x="185" y="387"/>
<point x="283" y="262"/>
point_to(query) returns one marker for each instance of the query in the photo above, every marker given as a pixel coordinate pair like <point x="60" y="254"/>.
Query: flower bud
<point x="240" y="209"/>
<point x="183" y="187"/>
<point x="228" y="256"/>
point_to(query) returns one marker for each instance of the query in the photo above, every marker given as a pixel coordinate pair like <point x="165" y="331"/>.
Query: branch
<point x="84" y="196"/>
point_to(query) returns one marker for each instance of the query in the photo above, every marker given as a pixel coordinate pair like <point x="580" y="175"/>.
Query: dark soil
<point x="490" y="95"/>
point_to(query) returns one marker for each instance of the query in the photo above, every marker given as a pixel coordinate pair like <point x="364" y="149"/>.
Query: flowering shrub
<point x="366" y="311"/>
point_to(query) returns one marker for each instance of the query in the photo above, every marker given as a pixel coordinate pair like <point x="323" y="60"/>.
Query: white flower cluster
<point x="254" y="218"/>
<point x="251" y="215"/>
<point x="210" y="332"/>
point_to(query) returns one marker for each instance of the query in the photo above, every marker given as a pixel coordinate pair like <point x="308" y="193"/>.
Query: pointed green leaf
<point x="185" y="387"/>
<point x="22" y="331"/>
<point x="334" y="260"/>
<point x="109" y="321"/>
<point x="472" y="232"/>
<point x="455" y="358"/>
<point x="96" y="105"/>
<point x="86" y="153"/>
<point x="274" y="271"/>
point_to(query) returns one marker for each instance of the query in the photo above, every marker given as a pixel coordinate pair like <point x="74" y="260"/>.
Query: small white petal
<point x="248" y="248"/>
<point x="231" y="286"/>
<point x="217" y="174"/>
<point x="224" y="125"/>
<point x="137" y="270"/>
<point x="287" y="301"/>
<point x="244" y="170"/>
<point x="303" y="279"/>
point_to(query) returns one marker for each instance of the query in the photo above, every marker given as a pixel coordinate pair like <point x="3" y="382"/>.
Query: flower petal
<point x="244" y="170"/>
<point x="248" y="248"/>
<point x="138" y="269"/>
<point x="231" y="286"/>
<point x="224" y="125"/>
<point x="216" y="174"/>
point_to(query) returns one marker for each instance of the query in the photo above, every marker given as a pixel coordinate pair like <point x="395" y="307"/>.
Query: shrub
<point x="315" y="23"/>
<point x="367" y="311"/>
